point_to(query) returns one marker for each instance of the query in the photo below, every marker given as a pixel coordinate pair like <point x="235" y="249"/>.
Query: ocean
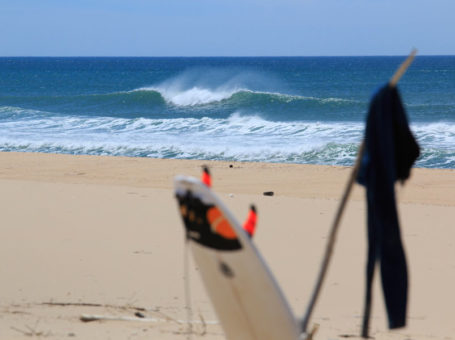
<point x="262" y="109"/>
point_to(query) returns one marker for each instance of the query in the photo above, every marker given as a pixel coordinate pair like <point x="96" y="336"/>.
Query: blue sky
<point x="225" y="27"/>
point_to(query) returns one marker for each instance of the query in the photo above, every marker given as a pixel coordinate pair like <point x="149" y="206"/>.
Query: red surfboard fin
<point x="206" y="178"/>
<point x="250" y="223"/>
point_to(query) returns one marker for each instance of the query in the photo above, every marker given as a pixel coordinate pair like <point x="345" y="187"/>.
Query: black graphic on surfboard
<point x="206" y="224"/>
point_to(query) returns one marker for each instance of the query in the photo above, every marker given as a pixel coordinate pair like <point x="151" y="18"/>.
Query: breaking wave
<point x="202" y="96"/>
<point x="159" y="102"/>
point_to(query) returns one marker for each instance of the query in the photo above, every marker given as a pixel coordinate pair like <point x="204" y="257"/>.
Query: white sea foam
<point x="237" y="137"/>
<point x="441" y="134"/>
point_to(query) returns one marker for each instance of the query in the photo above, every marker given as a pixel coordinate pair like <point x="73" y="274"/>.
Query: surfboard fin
<point x="250" y="223"/>
<point x="206" y="178"/>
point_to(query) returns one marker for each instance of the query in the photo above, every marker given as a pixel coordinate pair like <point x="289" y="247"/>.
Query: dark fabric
<point x="390" y="151"/>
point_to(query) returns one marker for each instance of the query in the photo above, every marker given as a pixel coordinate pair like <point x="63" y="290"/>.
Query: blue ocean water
<point x="272" y="109"/>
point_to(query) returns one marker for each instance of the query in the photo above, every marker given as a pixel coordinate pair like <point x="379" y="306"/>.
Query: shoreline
<point x="101" y="235"/>
<point x="293" y="180"/>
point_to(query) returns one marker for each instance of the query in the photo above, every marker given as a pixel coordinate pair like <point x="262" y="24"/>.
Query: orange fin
<point x="250" y="223"/>
<point x="206" y="178"/>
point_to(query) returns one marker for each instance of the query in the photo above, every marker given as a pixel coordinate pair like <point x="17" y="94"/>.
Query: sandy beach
<point x="93" y="235"/>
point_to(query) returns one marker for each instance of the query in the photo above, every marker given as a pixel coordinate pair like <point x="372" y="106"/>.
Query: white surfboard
<point x="245" y="296"/>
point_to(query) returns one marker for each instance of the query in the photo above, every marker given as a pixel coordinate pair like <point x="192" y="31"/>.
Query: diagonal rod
<point x="339" y="213"/>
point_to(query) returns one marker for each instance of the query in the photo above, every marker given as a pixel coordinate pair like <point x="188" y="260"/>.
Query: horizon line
<point x="223" y="56"/>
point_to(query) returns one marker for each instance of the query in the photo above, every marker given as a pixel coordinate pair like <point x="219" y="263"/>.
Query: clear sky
<point x="226" y="27"/>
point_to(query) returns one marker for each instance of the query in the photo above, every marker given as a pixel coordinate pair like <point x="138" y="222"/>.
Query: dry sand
<point x="101" y="236"/>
